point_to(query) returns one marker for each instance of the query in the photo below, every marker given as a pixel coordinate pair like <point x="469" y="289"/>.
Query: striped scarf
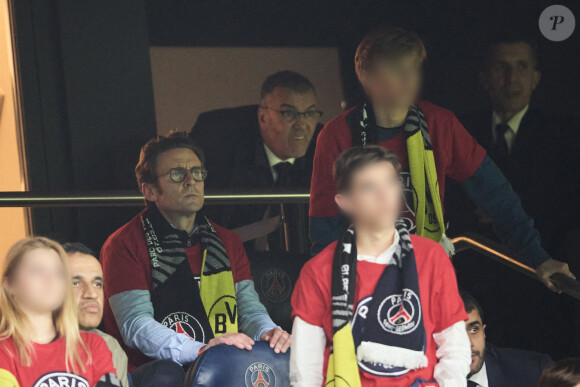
<point x="422" y="170"/>
<point x="166" y="252"/>
<point x="393" y="334"/>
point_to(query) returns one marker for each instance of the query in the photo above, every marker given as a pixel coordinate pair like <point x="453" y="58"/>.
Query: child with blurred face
<point x="41" y="342"/>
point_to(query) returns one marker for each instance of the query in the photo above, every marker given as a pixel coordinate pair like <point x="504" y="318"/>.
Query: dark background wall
<point x="453" y="30"/>
<point x="87" y="102"/>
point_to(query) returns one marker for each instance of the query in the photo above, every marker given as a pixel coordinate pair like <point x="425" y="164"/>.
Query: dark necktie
<point x="500" y="150"/>
<point x="471" y="383"/>
<point x="282" y="169"/>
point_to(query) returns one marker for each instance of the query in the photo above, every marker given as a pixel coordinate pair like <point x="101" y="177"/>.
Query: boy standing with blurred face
<point x="431" y="144"/>
<point x="379" y="307"/>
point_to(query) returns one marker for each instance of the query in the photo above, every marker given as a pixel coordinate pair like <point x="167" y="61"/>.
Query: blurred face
<point x="87" y="279"/>
<point x="39" y="284"/>
<point x="476" y="333"/>
<point x="183" y="199"/>
<point x="511" y="78"/>
<point x="284" y="135"/>
<point x="374" y="198"/>
<point x="393" y="82"/>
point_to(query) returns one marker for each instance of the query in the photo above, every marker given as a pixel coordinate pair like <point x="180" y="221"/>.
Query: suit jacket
<point x="236" y="160"/>
<point x="541" y="170"/>
<point x="508" y="367"/>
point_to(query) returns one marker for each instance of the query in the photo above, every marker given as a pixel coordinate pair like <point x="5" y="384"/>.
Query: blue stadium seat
<point x="225" y="365"/>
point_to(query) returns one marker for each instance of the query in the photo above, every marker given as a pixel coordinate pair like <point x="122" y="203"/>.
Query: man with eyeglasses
<point x="177" y="283"/>
<point x="269" y="146"/>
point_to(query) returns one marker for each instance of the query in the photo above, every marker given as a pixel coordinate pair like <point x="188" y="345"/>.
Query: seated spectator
<point x="492" y="366"/>
<point x="564" y="373"/>
<point x="41" y="344"/>
<point x="263" y="147"/>
<point x="514" y="133"/>
<point x="88" y="282"/>
<point x="379" y="307"/>
<point x="175" y="282"/>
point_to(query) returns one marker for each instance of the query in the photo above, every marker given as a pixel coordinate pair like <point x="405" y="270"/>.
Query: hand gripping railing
<point x="504" y="256"/>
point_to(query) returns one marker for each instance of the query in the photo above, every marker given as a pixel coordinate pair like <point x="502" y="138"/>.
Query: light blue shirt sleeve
<point x="254" y="320"/>
<point x="133" y="312"/>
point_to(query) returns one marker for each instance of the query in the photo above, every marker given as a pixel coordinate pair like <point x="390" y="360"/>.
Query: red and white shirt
<point x="48" y="366"/>
<point x="442" y="307"/>
<point x="457" y="155"/>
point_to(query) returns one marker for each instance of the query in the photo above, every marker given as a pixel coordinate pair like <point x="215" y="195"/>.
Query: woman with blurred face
<point x="40" y="342"/>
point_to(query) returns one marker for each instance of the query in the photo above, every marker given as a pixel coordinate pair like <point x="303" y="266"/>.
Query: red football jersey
<point x="127" y="266"/>
<point x="457" y="155"/>
<point x="48" y="366"/>
<point x="441" y="305"/>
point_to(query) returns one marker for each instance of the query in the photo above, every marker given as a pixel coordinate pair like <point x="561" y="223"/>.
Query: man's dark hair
<point x="509" y="38"/>
<point x="564" y="373"/>
<point x="288" y="80"/>
<point x="146" y="167"/>
<point x="78" y="247"/>
<point x="471" y="303"/>
<point x="355" y="158"/>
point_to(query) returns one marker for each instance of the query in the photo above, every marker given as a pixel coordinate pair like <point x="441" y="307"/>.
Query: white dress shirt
<point x="481" y="377"/>
<point x="309" y="342"/>
<point x="513" y="123"/>
<point x="273" y="160"/>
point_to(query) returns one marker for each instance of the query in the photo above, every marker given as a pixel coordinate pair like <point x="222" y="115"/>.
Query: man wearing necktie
<point x="265" y="147"/>
<point x="534" y="150"/>
<point x="498" y="367"/>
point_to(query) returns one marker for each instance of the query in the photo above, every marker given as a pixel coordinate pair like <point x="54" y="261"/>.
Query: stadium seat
<point x="225" y="365"/>
<point x="274" y="278"/>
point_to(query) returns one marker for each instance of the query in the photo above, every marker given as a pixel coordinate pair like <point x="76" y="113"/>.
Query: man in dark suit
<point x="498" y="367"/>
<point x="534" y="150"/>
<point x="263" y="147"/>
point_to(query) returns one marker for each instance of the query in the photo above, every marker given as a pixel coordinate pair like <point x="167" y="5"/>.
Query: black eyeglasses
<point x="178" y="174"/>
<point x="292" y="115"/>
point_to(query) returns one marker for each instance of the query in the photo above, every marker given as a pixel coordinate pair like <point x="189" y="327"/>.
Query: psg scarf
<point x="169" y="265"/>
<point x="421" y="168"/>
<point x="393" y="334"/>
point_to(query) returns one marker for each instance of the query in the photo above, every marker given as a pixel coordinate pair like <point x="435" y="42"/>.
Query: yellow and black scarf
<point x="421" y="168"/>
<point x="171" y="273"/>
<point x="392" y="335"/>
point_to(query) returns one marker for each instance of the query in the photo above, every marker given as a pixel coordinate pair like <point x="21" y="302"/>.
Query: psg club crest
<point x="400" y="313"/>
<point x="399" y="318"/>
<point x="185" y="323"/>
<point x="276" y="285"/>
<point x="260" y="375"/>
<point x="61" y="379"/>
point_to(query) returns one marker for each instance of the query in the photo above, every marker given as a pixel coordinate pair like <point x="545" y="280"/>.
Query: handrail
<point x="501" y="254"/>
<point x="130" y="198"/>
<point x="475" y="242"/>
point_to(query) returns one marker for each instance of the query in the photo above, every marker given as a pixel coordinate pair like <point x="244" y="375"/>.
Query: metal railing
<point x="474" y="242"/>
<point x="124" y="198"/>
<point x="506" y="257"/>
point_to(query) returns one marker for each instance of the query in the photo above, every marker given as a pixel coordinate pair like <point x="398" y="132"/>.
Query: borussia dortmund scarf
<point x="393" y="334"/>
<point x="421" y="168"/>
<point x="166" y="252"/>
